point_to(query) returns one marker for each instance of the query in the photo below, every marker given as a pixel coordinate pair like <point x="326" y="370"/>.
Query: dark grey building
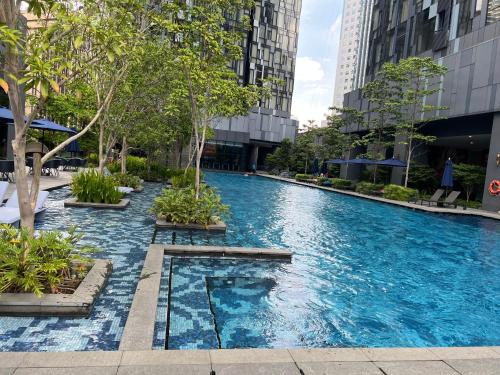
<point x="270" y="50"/>
<point x="464" y="36"/>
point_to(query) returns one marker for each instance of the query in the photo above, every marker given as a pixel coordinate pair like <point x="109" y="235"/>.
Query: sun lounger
<point x="4" y="185"/>
<point x="432" y="200"/>
<point x="451" y="199"/>
<point x="9" y="213"/>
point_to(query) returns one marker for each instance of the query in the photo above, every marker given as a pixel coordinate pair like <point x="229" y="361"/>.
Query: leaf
<point x="44" y="89"/>
<point x="55" y="86"/>
<point x="4" y="85"/>
<point x="78" y="41"/>
<point x="111" y="56"/>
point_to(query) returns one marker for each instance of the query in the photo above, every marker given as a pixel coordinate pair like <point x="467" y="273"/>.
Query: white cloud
<point x="308" y="70"/>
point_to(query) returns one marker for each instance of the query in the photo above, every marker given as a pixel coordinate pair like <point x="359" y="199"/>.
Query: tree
<point x="384" y="111"/>
<point x="54" y="55"/>
<point x="419" y="78"/>
<point x="281" y="157"/>
<point x="207" y="41"/>
<point x="470" y="177"/>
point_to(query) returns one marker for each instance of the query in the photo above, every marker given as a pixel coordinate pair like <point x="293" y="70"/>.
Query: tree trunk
<point x="197" y="183"/>
<point x="408" y="162"/>
<point x="124" y="154"/>
<point x="102" y="156"/>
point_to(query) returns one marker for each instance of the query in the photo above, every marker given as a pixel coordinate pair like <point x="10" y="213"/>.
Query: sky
<point x="319" y="35"/>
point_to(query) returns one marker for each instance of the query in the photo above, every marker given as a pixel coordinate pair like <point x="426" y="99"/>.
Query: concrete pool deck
<point x="431" y="209"/>
<point x="342" y="361"/>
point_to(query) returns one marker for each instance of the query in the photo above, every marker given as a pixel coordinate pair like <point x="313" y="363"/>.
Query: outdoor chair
<point x="72" y="164"/>
<point x="9" y="213"/>
<point x="6" y="170"/>
<point x="51" y="167"/>
<point x="4" y="185"/>
<point x="451" y="199"/>
<point x="432" y="200"/>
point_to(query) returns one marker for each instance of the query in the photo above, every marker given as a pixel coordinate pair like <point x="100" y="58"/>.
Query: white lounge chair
<point x="4" y="185"/>
<point x="9" y="213"/>
<point x="121" y="189"/>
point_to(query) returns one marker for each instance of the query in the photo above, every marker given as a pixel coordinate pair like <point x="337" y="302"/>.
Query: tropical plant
<point x="340" y="183"/>
<point x="183" y="206"/>
<point x="92" y="186"/>
<point x="126" y="179"/>
<point x="303" y="177"/>
<point x="423" y="178"/>
<point x="52" y="260"/>
<point x="399" y="193"/>
<point x="184" y="179"/>
<point x="368" y="188"/>
<point x="470" y="177"/>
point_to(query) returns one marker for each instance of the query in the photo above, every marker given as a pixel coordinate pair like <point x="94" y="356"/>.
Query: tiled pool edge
<point x="434" y="210"/>
<point x="139" y="331"/>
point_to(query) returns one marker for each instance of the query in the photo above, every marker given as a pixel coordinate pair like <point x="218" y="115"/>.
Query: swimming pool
<point x="363" y="274"/>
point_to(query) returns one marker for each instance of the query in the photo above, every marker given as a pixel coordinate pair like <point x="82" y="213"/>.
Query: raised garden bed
<point x="217" y="227"/>
<point x="79" y="303"/>
<point x="72" y="202"/>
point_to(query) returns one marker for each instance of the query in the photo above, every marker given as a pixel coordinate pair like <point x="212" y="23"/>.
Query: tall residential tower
<point x="353" y="48"/>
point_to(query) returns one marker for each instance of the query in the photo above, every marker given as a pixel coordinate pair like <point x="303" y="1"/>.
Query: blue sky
<point x="316" y="59"/>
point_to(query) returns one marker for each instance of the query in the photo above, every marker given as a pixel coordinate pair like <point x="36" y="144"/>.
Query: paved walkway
<point x="433" y="209"/>
<point x="435" y="361"/>
<point x="46" y="182"/>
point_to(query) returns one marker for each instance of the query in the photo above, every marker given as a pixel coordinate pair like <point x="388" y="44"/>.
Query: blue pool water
<point x="362" y="274"/>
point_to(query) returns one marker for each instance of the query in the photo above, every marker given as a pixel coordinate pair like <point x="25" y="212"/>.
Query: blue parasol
<point x="447" y="180"/>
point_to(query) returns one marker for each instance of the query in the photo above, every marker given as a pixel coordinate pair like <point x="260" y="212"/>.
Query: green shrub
<point x="399" y="193"/>
<point x="94" y="187"/>
<point x="303" y="177"/>
<point x="125" y="179"/>
<point x="340" y="183"/>
<point x="50" y="261"/>
<point x="114" y="167"/>
<point x="135" y="164"/>
<point x="92" y="159"/>
<point x="181" y="206"/>
<point x="184" y="180"/>
<point x="368" y="187"/>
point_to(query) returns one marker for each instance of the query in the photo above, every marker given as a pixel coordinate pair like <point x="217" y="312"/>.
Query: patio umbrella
<point x="361" y="161"/>
<point x="74" y="146"/>
<point x="392" y="162"/>
<point x="44" y="124"/>
<point x="335" y="161"/>
<point x="447" y="179"/>
<point x="315" y="167"/>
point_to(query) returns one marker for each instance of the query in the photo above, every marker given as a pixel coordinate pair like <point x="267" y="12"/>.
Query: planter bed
<point x="72" y="202"/>
<point x="80" y="303"/>
<point x="139" y="189"/>
<point x="218" y="227"/>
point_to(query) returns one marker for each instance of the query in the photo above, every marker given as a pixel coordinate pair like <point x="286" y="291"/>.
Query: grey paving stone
<point x="328" y="355"/>
<point x="464" y="353"/>
<point x="237" y="356"/>
<point x="165" y="370"/>
<point x="476" y="366"/>
<point x="71" y="359"/>
<point x="67" y="371"/>
<point x="165" y="357"/>
<point x="8" y="360"/>
<point x="339" y="368"/>
<point x="6" y="371"/>
<point x="416" y="368"/>
<point x="400" y="354"/>
<point x="257" y="369"/>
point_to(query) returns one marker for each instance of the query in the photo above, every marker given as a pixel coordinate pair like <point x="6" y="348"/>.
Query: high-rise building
<point x="463" y="36"/>
<point x="353" y="48"/>
<point x="269" y="50"/>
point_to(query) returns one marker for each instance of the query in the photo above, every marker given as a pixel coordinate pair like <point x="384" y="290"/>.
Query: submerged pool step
<point x="231" y="252"/>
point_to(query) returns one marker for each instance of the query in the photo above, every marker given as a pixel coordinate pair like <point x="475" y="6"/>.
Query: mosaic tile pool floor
<point x="124" y="237"/>
<point x="363" y="274"/>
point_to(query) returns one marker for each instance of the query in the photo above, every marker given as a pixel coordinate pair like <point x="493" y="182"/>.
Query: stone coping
<point x="431" y="209"/>
<point x="72" y="202"/>
<point x="140" y="189"/>
<point x="222" y="251"/>
<point x="80" y="303"/>
<point x="342" y="361"/>
<point x="218" y="227"/>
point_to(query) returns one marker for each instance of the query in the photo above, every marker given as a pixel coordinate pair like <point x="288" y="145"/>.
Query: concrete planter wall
<point x="80" y="303"/>
<point x="72" y="202"/>
<point x="217" y="227"/>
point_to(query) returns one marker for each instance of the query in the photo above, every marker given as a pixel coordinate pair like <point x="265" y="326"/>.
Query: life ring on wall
<point x="494" y="187"/>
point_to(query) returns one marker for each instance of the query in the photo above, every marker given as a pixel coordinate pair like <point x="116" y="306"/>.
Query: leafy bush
<point x="94" y="187"/>
<point x="423" y="178"/>
<point x="399" y="193"/>
<point x="125" y="179"/>
<point x="47" y="265"/>
<point x="321" y="180"/>
<point x="340" y="183"/>
<point x="114" y="167"/>
<point x="368" y="187"/>
<point x="181" y="206"/>
<point x="184" y="180"/>
<point x="92" y="159"/>
<point x="303" y="177"/>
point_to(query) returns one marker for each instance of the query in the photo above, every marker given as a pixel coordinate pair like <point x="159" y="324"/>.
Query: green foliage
<point x="45" y="266"/>
<point x="470" y="177"/>
<point x="340" y="183"/>
<point x="303" y="177"/>
<point x="280" y="159"/>
<point x="92" y="159"/>
<point x="181" y="206"/>
<point x="126" y="179"/>
<point x="183" y="180"/>
<point x="423" y="178"/>
<point x="94" y="187"/>
<point x="368" y="188"/>
<point x="399" y="193"/>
